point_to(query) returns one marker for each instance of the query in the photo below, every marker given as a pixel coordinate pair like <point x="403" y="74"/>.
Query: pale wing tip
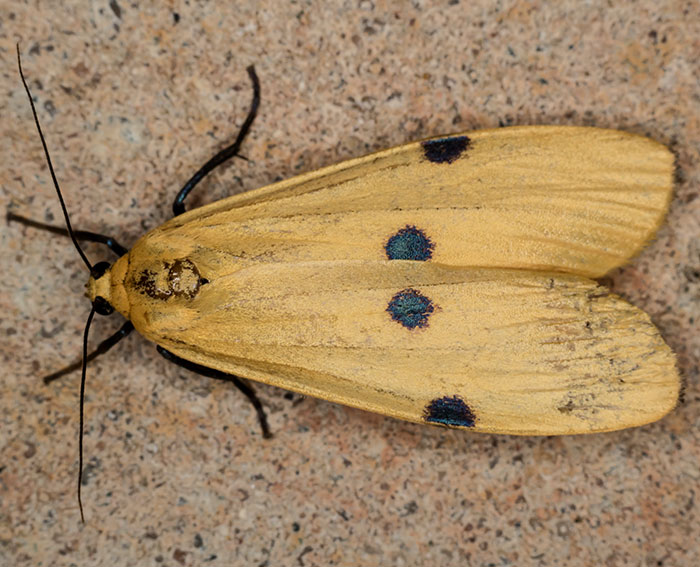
<point x="653" y="402"/>
<point x="658" y="172"/>
<point x="647" y="400"/>
<point x="627" y="179"/>
<point x="667" y="398"/>
<point x="605" y="408"/>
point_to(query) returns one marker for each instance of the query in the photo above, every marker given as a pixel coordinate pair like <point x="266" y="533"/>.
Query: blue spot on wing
<point x="409" y="243"/>
<point x="410" y="308"/>
<point x="450" y="411"/>
<point x="445" y="150"/>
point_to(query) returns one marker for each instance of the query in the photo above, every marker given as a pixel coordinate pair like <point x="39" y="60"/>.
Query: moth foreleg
<point x="84" y="235"/>
<point x="102" y="348"/>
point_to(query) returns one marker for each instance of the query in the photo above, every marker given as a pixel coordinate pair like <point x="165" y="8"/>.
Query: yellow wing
<point x="571" y="199"/>
<point x="424" y="282"/>
<point x="502" y="351"/>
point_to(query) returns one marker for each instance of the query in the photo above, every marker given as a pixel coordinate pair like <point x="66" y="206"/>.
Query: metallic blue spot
<point x="409" y="243"/>
<point x="445" y="150"/>
<point x="450" y="411"/>
<point x="410" y="308"/>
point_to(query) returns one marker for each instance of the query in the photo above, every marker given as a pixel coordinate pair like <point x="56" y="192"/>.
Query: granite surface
<point x="133" y="98"/>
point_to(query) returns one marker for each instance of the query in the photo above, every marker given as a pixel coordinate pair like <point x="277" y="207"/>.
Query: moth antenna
<point x="48" y="160"/>
<point x="82" y="410"/>
<point x="90" y="268"/>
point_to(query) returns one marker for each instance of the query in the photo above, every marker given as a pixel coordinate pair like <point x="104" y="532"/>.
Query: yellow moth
<point x="447" y="282"/>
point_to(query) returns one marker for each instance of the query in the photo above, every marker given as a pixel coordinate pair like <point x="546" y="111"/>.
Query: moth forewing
<point x="562" y="198"/>
<point x="510" y="351"/>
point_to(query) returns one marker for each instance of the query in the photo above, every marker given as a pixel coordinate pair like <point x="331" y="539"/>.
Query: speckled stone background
<point x="133" y="99"/>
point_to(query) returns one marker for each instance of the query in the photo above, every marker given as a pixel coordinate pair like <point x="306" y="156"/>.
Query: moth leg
<point x="226" y="153"/>
<point x="240" y="383"/>
<point x="102" y="348"/>
<point x="88" y="236"/>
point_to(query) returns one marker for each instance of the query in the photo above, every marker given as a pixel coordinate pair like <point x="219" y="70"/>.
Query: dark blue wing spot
<point x="409" y="243"/>
<point x="450" y="411"/>
<point x="445" y="150"/>
<point x="410" y="308"/>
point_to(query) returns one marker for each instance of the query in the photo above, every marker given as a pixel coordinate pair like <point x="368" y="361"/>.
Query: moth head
<point x="98" y="287"/>
<point x="104" y="289"/>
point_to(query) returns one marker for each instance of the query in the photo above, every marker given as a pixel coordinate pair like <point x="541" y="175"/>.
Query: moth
<point x="448" y="281"/>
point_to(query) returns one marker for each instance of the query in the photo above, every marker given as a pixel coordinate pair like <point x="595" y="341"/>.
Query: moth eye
<point x="409" y="243"/>
<point x="411" y="308"/>
<point x="450" y="411"/>
<point x="445" y="150"/>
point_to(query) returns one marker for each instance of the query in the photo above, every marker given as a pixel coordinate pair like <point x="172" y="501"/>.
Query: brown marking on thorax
<point x="180" y="278"/>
